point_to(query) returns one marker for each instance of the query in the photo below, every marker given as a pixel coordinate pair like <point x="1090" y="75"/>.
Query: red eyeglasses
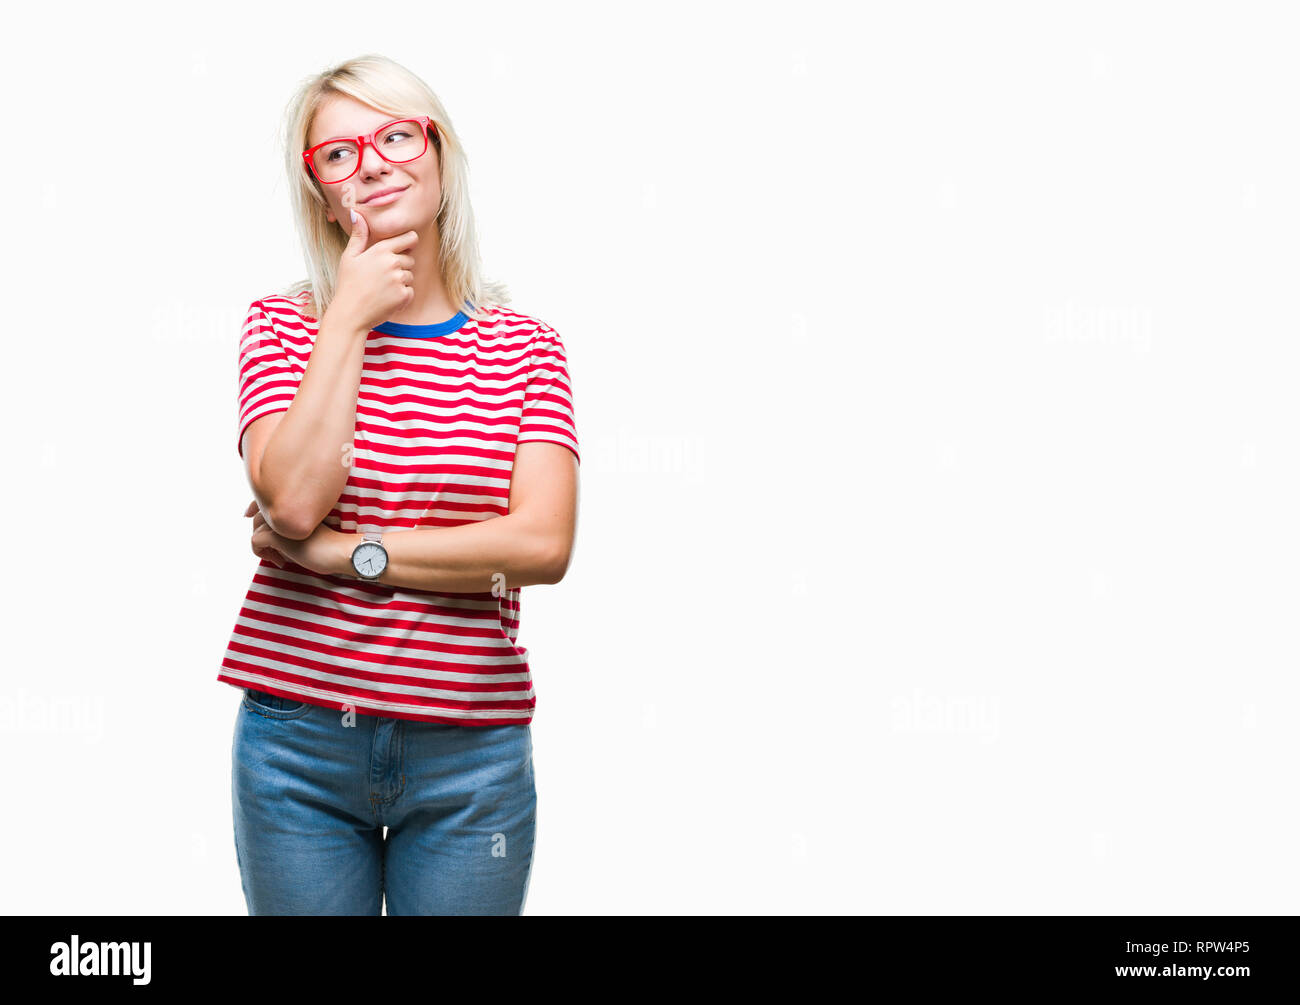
<point x="397" y="142"/>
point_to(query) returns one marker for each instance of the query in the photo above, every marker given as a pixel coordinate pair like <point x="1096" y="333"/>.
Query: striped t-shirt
<point x="440" y="409"/>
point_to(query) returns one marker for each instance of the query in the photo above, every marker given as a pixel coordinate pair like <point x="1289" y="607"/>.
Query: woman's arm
<point x="297" y="460"/>
<point x="531" y="544"/>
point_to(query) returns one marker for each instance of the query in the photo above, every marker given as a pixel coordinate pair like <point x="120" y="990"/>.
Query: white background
<point x="934" y="370"/>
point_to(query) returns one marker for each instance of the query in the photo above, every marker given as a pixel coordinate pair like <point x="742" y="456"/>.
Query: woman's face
<point x="415" y="209"/>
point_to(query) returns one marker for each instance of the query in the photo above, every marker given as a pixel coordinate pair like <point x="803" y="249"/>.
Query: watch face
<point x="369" y="559"/>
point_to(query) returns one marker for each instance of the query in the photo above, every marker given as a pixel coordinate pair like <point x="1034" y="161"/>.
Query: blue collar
<point x="454" y="323"/>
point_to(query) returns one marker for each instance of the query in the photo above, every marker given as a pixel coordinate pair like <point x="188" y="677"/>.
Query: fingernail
<point x="354" y="215"/>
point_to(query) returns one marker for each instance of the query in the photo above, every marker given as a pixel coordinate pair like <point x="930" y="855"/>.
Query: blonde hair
<point x="391" y="88"/>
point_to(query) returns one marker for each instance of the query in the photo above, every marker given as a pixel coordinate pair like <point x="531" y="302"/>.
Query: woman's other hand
<point x="320" y="552"/>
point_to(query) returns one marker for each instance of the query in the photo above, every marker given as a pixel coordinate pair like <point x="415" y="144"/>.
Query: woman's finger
<point x="272" y="556"/>
<point x="252" y="508"/>
<point x="263" y="543"/>
<point x="264" y="550"/>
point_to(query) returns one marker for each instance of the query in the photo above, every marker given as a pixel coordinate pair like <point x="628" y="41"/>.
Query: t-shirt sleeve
<point x="548" y="396"/>
<point x="267" y="380"/>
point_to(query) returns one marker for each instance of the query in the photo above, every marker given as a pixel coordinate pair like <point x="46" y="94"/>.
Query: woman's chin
<point x="389" y="224"/>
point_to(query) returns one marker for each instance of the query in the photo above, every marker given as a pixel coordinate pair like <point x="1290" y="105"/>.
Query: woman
<point x="412" y="452"/>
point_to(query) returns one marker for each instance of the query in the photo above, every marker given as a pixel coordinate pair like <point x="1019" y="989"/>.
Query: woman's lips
<point x="384" y="200"/>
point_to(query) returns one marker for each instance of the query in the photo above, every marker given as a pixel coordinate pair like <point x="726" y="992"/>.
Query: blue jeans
<point x="312" y="796"/>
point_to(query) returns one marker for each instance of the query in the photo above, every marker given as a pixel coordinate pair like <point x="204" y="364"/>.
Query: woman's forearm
<point x="504" y="552"/>
<point x="306" y="461"/>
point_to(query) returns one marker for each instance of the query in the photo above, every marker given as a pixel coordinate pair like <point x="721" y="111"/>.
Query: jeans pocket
<point x="273" y="706"/>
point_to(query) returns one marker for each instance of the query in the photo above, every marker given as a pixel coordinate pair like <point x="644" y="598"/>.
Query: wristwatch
<point x="370" y="558"/>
